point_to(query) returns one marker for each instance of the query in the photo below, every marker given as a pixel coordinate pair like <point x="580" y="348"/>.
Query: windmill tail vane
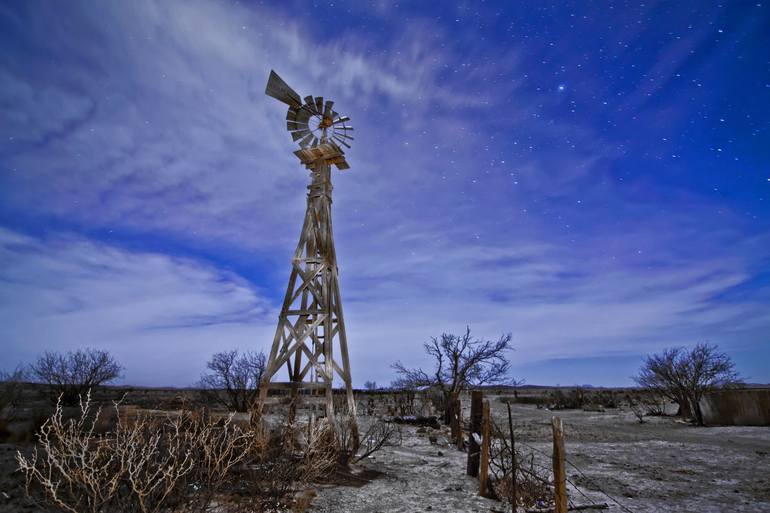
<point x="311" y="326"/>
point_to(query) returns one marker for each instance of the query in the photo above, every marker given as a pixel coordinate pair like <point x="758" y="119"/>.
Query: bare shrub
<point x="72" y="374"/>
<point x="281" y="463"/>
<point x="380" y="434"/>
<point x="234" y="378"/>
<point x="404" y="396"/>
<point x="11" y="384"/>
<point x="460" y="362"/>
<point x="572" y="399"/>
<point x="175" y="463"/>
<point x="533" y="485"/>
<point x="638" y="408"/>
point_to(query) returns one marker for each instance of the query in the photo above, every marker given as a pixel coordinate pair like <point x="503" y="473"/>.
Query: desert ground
<point x="660" y="465"/>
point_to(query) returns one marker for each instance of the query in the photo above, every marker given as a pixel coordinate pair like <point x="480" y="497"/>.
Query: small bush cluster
<point x="181" y="462"/>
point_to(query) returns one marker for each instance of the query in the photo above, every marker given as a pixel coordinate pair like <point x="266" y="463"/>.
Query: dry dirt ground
<point x="662" y="465"/>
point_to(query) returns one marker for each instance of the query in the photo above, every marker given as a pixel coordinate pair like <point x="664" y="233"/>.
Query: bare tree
<point x="370" y="385"/>
<point x="234" y="378"/>
<point x="74" y="373"/>
<point x="684" y="375"/>
<point x="460" y="362"/>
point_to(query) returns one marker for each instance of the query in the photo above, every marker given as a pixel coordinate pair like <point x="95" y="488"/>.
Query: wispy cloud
<point x="480" y="193"/>
<point x="162" y="317"/>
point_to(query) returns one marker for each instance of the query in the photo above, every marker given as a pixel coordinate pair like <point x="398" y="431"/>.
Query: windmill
<point x="311" y="321"/>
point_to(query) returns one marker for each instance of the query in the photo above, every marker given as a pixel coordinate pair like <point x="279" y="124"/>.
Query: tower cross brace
<point x="311" y="318"/>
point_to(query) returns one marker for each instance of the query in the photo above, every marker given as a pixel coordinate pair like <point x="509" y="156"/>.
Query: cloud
<point x="479" y="194"/>
<point x="161" y="317"/>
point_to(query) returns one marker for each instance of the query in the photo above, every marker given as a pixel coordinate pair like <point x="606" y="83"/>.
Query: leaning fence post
<point x="485" y="439"/>
<point x="559" y="471"/>
<point x="477" y="397"/>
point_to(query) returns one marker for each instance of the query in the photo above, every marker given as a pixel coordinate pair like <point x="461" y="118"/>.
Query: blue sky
<point x="593" y="177"/>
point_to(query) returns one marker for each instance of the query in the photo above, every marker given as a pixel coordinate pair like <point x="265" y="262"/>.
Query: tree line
<point x="459" y="363"/>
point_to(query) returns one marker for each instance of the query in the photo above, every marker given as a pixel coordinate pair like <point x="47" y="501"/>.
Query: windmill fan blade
<point x="304" y="142"/>
<point x="343" y="132"/>
<point x="341" y="120"/>
<point x="319" y="104"/>
<point x="346" y="137"/>
<point x="341" y="140"/>
<point x="294" y="125"/>
<point x="281" y="91"/>
<point x="328" y="108"/>
<point x="303" y="116"/>
<point x="299" y="135"/>
<point x="310" y="104"/>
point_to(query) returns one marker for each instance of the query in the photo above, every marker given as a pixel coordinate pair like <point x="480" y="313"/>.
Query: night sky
<point x="593" y="177"/>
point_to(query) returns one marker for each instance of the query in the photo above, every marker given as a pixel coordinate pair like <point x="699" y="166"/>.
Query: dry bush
<point x="644" y="404"/>
<point x="403" y="400"/>
<point x="379" y="434"/>
<point x="174" y="463"/>
<point x="573" y="399"/>
<point x="180" y="462"/>
<point x="532" y="480"/>
<point x="281" y="463"/>
<point x="10" y="396"/>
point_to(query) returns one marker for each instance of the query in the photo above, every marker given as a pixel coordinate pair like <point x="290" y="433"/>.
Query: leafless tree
<point x="234" y="378"/>
<point x="684" y="375"/>
<point x="370" y="385"/>
<point x="72" y="374"/>
<point x="460" y="362"/>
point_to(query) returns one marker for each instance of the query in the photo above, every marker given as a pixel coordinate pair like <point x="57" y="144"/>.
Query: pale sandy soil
<point x="659" y="466"/>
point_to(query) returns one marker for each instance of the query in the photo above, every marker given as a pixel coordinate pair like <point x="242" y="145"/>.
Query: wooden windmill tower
<point x="311" y="324"/>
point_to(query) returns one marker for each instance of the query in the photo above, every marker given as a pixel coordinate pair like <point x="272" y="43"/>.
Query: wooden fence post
<point x="514" y="485"/>
<point x="456" y="420"/>
<point x="459" y="409"/>
<point x="559" y="471"/>
<point x="477" y="397"/>
<point x="484" y="470"/>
